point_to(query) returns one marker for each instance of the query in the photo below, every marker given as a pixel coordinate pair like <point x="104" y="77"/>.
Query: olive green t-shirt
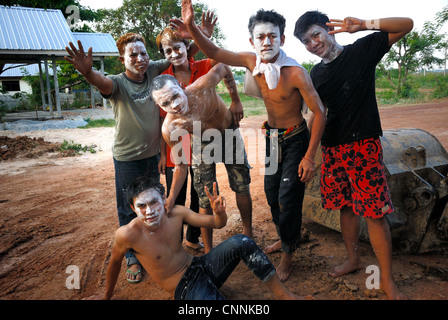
<point x="137" y="121"/>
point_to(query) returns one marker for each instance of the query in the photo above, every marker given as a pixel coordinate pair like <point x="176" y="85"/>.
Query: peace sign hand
<point x="349" y="24"/>
<point x="217" y="202"/>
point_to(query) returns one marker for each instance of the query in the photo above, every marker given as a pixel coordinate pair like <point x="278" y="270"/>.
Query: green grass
<point x="252" y="106"/>
<point x="76" y="148"/>
<point x="100" y="123"/>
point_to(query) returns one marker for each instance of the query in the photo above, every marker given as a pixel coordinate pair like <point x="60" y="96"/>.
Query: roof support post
<point x="41" y="78"/>
<point x="56" y="86"/>
<point x="47" y="74"/>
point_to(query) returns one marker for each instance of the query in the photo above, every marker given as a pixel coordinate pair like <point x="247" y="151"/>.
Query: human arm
<point x="180" y="170"/>
<point x="396" y="27"/>
<point x="84" y="63"/>
<point x="212" y="51"/>
<point x="162" y="161"/>
<point x="317" y="123"/>
<point x="216" y="221"/>
<point x="236" y="107"/>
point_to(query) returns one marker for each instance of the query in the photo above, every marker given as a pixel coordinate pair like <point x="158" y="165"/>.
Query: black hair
<point x="267" y="16"/>
<point x="160" y="81"/>
<point x="142" y="184"/>
<point x="309" y="19"/>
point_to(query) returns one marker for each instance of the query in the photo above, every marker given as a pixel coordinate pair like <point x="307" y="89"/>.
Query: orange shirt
<point x="198" y="69"/>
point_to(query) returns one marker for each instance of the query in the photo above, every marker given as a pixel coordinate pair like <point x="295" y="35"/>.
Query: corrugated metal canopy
<point x="32" y="29"/>
<point x="101" y="43"/>
<point x="26" y="33"/>
<point x="20" y="70"/>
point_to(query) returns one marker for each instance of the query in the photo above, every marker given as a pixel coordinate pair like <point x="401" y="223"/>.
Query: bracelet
<point x="309" y="160"/>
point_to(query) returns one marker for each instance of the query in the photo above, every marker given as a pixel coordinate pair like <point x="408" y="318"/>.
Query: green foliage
<point x="99" y="123"/>
<point x="148" y="18"/>
<point x="76" y="147"/>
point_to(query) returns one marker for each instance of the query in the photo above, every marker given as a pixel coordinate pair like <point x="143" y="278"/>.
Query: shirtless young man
<point x="351" y="145"/>
<point x="156" y="241"/>
<point x="283" y="91"/>
<point x="200" y="104"/>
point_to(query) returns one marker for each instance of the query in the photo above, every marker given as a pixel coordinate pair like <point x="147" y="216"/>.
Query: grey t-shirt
<point x="137" y="127"/>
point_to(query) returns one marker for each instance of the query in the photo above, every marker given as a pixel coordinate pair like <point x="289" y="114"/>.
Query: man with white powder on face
<point x="284" y="86"/>
<point x="155" y="238"/>
<point x="198" y="109"/>
<point x="353" y="179"/>
<point x="136" y="145"/>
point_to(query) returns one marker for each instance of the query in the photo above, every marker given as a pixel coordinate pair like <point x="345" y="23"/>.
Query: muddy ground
<point x="58" y="212"/>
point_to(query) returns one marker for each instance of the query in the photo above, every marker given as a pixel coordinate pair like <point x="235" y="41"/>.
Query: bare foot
<point x="285" y="267"/>
<point x="346" y="268"/>
<point x="276" y="247"/>
<point x="392" y="291"/>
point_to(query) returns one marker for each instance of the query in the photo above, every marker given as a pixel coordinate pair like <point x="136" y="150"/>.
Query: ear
<point x="282" y="40"/>
<point x="252" y="42"/>
<point x="132" y="207"/>
<point x="121" y="59"/>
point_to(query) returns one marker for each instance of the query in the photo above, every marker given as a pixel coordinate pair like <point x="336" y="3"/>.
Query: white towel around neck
<point x="272" y="70"/>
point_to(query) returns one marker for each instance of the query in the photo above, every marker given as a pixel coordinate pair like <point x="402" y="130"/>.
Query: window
<point x="11" y="85"/>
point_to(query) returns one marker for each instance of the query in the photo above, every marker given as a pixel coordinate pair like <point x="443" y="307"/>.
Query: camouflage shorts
<point x="234" y="156"/>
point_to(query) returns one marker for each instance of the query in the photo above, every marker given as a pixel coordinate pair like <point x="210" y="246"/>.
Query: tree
<point x="146" y="17"/>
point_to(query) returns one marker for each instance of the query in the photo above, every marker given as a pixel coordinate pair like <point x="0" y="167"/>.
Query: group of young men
<point x="340" y="93"/>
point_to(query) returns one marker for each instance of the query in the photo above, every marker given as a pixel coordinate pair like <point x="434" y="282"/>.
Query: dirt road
<point x="58" y="215"/>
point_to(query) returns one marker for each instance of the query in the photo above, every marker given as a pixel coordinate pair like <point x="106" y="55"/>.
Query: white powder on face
<point x="319" y="42"/>
<point x="175" y="52"/>
<point x="171" y="98"/>
<point x="149" y="207"/>
<point x="135" y="57"/>
<point x="266" y="40"/>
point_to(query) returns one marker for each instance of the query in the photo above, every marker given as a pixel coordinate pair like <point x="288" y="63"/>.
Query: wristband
<point x="309" y="160"/>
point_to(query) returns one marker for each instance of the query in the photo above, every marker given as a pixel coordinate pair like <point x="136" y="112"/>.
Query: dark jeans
<point x="284" y="190"/>
<point x="125" y="173"/>
<point x="193" y="233"/>
<point x="207" y="273"/>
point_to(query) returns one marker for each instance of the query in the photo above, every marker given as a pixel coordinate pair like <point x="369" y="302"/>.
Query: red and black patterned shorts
<point x="353" y="175"/>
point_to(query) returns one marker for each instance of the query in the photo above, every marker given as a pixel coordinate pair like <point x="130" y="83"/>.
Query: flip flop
<point x="134" y="274"/>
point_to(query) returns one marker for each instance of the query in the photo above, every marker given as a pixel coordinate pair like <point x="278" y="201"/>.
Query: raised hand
<point x="349" y="24"/>
<point x="207" y="26"/>
<point x="217" y="202"/>
<point x="78" y="58"/>
<point x="208" y="23"/>
<point x="187" y="12"/>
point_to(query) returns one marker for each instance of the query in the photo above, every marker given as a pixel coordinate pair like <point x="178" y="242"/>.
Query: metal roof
<point x="20" y="70"/>
<point x="100" y="42"/>
<point x="33" y="29"/>
<point x="26" y="33"/>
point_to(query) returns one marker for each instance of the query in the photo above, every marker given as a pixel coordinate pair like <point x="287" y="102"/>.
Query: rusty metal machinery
<point x="417" y="174"/>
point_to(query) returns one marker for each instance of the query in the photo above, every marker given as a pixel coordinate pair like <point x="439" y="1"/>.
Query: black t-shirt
<point x="346" y="86"/>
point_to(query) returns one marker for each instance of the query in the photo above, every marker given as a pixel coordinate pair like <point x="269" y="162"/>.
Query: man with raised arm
<point x="353" y="178"/>
<point x="285" y="86"/>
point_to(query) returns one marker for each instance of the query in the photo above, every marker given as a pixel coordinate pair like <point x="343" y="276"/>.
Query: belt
<point x="283" y="134"/>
